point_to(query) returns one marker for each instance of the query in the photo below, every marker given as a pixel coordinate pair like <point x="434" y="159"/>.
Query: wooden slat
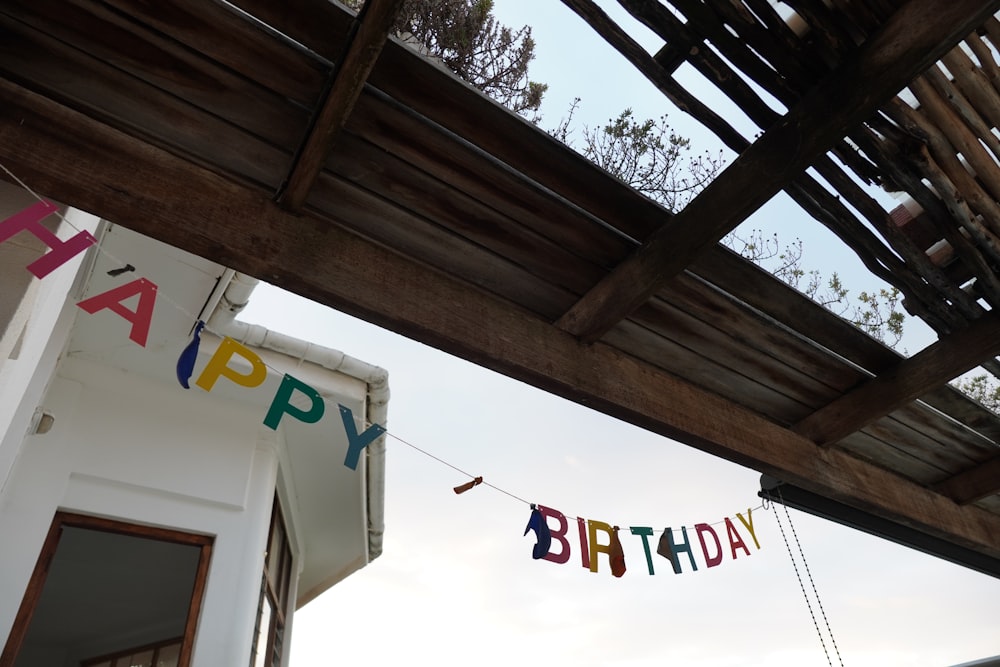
<point x="113" y="95"/>
<point x="989" y="503"/>
<point x="397" y="130"/>
<point x="915" y="37"/>
<point x="708" y="348"/>
<point x="379" y="171"/>
<point x="438" y="203"/>
<point x="153" y="192"/>
<point x="366" y="212"/>
<point x="248" y="49"/>
<point x="755" y="334"/>
<point x="973" y="484"/>
<point x="956" y="445"/>
<point x="899" y="436"/>
<point x="103" y="35"/>
<point x="933" y="366"/>
<point x="363" y="49"/>
<point x="637" y="55"/>
<point x="668" y="26"/>
<point x="806" y="191"/>
<point x="706" y="374"/>
<point x="869" y="447"/>
<point x="974" y="84"/>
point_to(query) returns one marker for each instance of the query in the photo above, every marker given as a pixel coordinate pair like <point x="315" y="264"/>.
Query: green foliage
<point x="983" y="388"/>
<point x="466" y="38"/>
<point x="646" y="154"/>
<point x="876" y="313"/>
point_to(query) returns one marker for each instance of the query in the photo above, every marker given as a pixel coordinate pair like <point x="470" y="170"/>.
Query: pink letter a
<point x="140" y="317"/>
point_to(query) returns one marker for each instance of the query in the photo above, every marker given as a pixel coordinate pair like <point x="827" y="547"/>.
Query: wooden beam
<point x="349" y="77"/>
<point x="909" y="379"/>
<point x="916" y="36"/>
<point x="973" y="484"/>
<point x="80" y="161"/>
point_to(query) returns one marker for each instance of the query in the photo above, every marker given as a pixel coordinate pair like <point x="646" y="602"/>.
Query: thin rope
<point x="802" y="587"/>
<point x="454" y="467"/>
<point x="24" y="185"/>
<point x="805" y="565"/>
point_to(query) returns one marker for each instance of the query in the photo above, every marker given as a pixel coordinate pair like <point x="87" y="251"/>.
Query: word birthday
<point x="669" y="546"/>
<point x="29" y="220"/>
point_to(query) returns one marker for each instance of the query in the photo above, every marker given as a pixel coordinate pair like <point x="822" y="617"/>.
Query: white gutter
<point x="230" y="296"/>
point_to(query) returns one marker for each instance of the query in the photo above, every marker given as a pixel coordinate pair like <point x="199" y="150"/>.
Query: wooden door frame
<point x="69" y="519"/>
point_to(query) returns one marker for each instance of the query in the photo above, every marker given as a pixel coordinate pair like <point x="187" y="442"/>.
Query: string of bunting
<point x="298" y="400"/>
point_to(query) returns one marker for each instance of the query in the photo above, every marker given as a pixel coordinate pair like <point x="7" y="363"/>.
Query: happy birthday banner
<point x="668" y="546"/>
<point x="551" y="527"/>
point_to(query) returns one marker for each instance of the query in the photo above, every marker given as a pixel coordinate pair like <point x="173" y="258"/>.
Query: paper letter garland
<point x="61" y="251"/>
<point x="542" y="533"/>
<point x="185" y="363"/>
<point x="598" y="537"/>
<point x="592" y="545"/>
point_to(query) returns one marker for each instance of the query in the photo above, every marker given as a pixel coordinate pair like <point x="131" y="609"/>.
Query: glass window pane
<point x="142" y="659"/>
<point x="275" y="552"/>
<point x="263" y="630"/>
<point x="169" y="655"/>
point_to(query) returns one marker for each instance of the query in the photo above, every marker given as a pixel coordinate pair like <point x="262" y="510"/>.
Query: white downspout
<point x="230" y="297"/>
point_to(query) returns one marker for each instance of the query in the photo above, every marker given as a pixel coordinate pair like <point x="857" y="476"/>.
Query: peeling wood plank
<point x="914" y="38"/>
<point x="398" y="131"/>
<point x="86" y="31"/>
<point x="114" y="95"/>
<point x="911" y="378"/>
<point x="249" y="49"/>
<point x="349" y="77"/>
<point x="161" y="195"/>
<point x="365" y="213"/>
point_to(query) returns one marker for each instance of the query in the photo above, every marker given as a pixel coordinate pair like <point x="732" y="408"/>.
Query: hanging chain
<point x="802" y="587"/>
<point x="805" y="566"/>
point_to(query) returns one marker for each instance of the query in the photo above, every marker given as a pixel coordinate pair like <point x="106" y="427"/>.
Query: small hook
<point x="114" y="273"/>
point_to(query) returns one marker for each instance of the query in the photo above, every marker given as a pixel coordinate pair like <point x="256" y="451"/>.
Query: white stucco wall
<point x="131" y="449"/>
<point x="128" y="447"/>
<point x="23" y="379"/>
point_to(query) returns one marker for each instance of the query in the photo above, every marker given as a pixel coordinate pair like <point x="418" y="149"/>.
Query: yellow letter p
<point x="219" y="365"/>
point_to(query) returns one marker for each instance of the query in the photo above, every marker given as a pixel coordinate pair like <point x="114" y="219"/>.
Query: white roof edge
<point x="229" y="298"/>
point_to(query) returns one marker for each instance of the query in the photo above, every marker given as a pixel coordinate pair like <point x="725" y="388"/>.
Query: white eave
<point x="228" y="300"/>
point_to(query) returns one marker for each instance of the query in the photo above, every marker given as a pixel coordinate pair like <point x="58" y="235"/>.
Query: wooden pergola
<point x="292" y="141"/>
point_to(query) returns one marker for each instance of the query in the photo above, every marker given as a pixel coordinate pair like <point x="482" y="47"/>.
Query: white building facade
<point x="146" y="523"/>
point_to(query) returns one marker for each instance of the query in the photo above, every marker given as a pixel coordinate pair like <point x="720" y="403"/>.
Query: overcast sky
<point x="456" y="584"/>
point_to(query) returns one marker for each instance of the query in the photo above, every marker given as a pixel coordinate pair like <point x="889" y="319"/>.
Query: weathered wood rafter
<point x="917" y="35"/>
<point x="911" y="378"/>
<point x="348" y="79"/>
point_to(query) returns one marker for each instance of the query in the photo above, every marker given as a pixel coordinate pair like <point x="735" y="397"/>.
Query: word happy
<point x="141" y="316"/>
<point x="552" y="528"/>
